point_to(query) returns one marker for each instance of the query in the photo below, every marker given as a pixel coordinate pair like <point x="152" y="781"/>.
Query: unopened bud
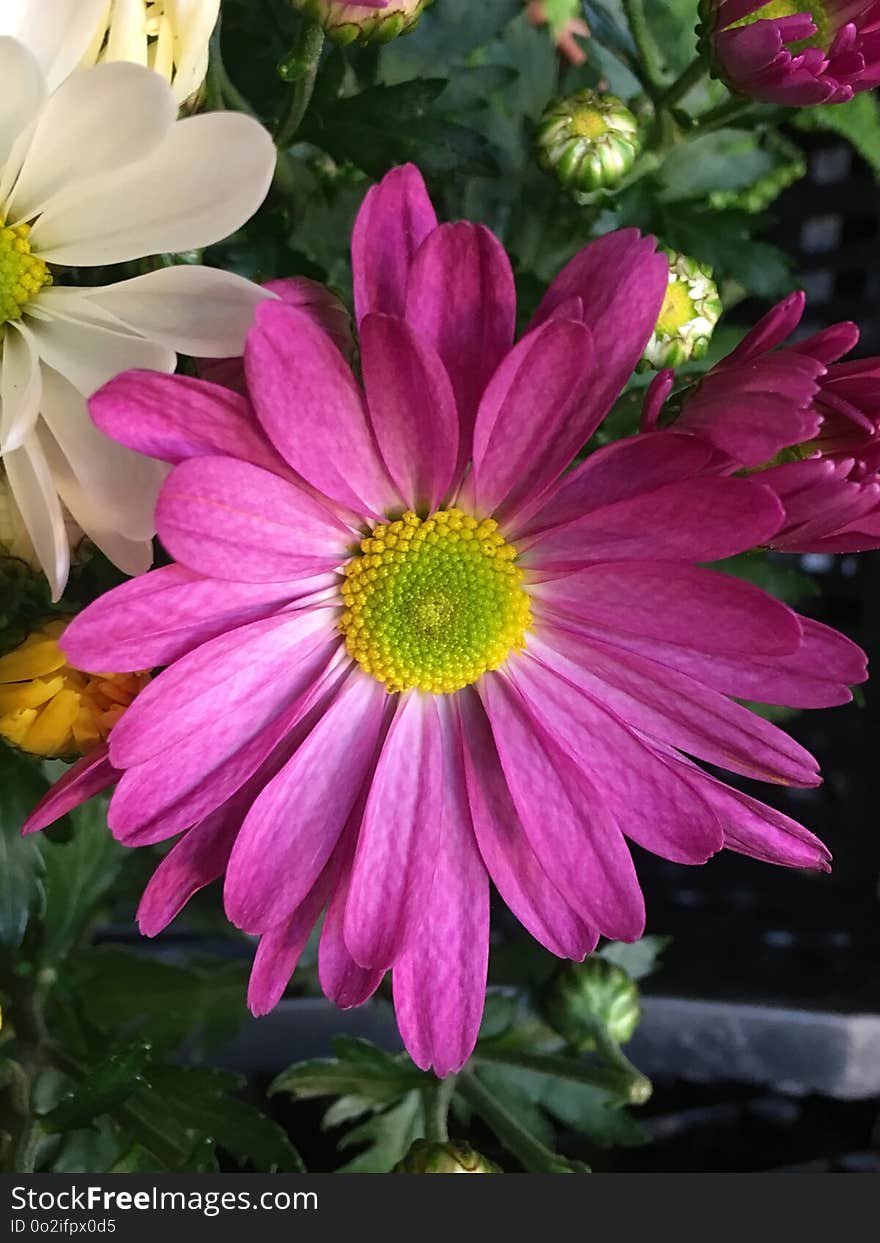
<point x="368" y="22"/>
<point x="450" y="1158"/>
<point x="690" y="311"/>
<point x="588" y="141"/>
<point x="583" y="995"/>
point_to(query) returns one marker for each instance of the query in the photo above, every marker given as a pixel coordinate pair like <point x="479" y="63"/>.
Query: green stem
<point x="615" y="1059"/>
<point x="301" y="68"/>
<point x="530" y="1152"/>
<point x="731" y="111"/>
<point x="684" y="83"/>
<point x="438" y="1098"/>
<point x="648" y="55"/>
<point x="621" y="1078"/>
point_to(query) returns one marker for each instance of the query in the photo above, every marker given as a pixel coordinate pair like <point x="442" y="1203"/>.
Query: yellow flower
<point x="50" y="709"/>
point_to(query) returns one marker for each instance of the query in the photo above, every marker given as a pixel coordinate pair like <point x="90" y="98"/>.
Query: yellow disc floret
<point x="49" y="708"/>
<point x="22" y="275"/>
<point x="432" y="604"/>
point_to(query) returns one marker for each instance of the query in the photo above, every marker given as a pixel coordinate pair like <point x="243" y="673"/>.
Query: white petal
<point x="58" y="32"/>
<point x="22" y="92"/>
<point x="20" y="386"/>
<point x="193" y="310"/>
<point x="206" y="179"/>
<point x="121" y="486"/>
<point x="37" y="499"/>
<point x="89" y="355"/>
<point x="193" y="22"/>
<point x="127" y="37"/>
<point x="97" y="122"/>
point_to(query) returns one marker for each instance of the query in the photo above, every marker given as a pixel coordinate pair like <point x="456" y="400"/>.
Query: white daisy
<point x="102" y="172"/>
<point x="169" y="36"/>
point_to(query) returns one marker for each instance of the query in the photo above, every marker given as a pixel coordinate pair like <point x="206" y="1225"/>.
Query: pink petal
<point x="344" y="981"/>
<point x="232" y="685"/>
<point x="395" y="218"/>
<point x="650" y="803"/>
<point x="174" y="417"/>
<point x="295" y="823"/>
<point x="676" y="603"/>
<point x="567" y="824"/>
<point x="82" y="781"/>
<point x="619" y="472"/>
<point x="311" y="408"/>
<point x="199" y="858"/>
<point x="461" y="300"/>
<point x="230" y="520"/>
<point x="512" y="864"/>
<point x="532" y="419"/>
<point x="440" y="980"/>
<point x="280" y="950"/>
<point x="778" y="324"/>
<point x="701" y="519"/>
<point x="671" y="708"/>
<point x="621" y="282"/>
<point x="397" y="847"/>
<point x="655" y="399"/>
<point x="412" y="410"/>
<point x="160" y="616"/>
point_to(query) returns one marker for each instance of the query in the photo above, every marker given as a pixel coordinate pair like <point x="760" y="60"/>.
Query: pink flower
<point x="375" y="715"/>
<point x="809" y="423"/>
<point x="794" y="53"/>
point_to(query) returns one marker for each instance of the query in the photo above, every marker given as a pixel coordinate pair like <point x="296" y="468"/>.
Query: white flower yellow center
<point x="22" y="275"/>
<point x="432" y="604"/>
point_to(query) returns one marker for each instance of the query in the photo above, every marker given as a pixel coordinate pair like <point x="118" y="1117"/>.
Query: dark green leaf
<point x="387" y="1137"/>
<point x="380" y="1082"/>
<point x="21" y="866"/>
<point x="78" y="875"/>
<point x="104" y="1087"/>
<point x="639" y="959"/>
<point x="858" y="121"/>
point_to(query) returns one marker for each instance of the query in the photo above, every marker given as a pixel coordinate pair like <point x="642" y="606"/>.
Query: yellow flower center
<point x="588" y="123"/>
<point x="775" y="9"/>
<point x="432" y="604"/>
<point x="677" y="309"/>
<point x="22" y="275"/>
<point x="49" y="708"/>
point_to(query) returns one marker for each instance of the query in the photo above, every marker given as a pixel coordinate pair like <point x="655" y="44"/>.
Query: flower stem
<point x="619" y="1077"/>
<point x="438" y="1098"/>
<point x="731" y="111"/>
<point x="647" y="50"/>
<point x="529" y="1151"/>
<point x="684" y="83"/>
<point x="300" y="68"/>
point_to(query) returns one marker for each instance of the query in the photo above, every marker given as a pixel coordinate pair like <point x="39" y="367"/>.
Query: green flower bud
<point x="690" y="311"/>
<point x="588" y="140"/>
<point x="345" y="23"/>
<point x="451" y="1158"/>
<point x="581" y="995"/>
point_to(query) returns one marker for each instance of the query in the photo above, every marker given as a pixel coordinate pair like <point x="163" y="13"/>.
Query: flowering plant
<point x="401" y="510"/>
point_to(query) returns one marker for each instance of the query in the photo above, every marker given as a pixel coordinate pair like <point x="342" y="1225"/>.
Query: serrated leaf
<point x="446" y="35"/>
<point x="638" y="959"/>
<point x="205" y="1103"/>
<point x="387" y="1137"/>
<point x="331" y="1077"/>
<point x="168" y="1003"/>
<point x="78" y="874"/>
<point x="104" y="1088"/>
<point x="591" y="1112"/>
<point x="858" y="121"/>
<point x="387" y="125"/>
<point x="21" y="864"/>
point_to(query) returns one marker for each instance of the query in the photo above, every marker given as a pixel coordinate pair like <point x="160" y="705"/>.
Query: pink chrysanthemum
<point x="809" y="423"/>
<point x="406" y="653"/>
<point x="794" y="52"/>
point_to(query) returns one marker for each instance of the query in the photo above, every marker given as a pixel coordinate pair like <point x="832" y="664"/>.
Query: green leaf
<point x="725" y="160"/>
<point x="78" y="875"/>
<point x="387" y="125"/>
<point x="446" y="35"/>
<point x="105" y="1086"/>
<point x="373" y="1081"/>
<point x="167" y="1003"/>
<point x="858" y="121"/>
<point x="387" y="1137"/>
<point x="591" y="1112"/>
<point x="21" y="865"/>
<point x="639" y="959"/>
<point x="204" y="1103"/>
